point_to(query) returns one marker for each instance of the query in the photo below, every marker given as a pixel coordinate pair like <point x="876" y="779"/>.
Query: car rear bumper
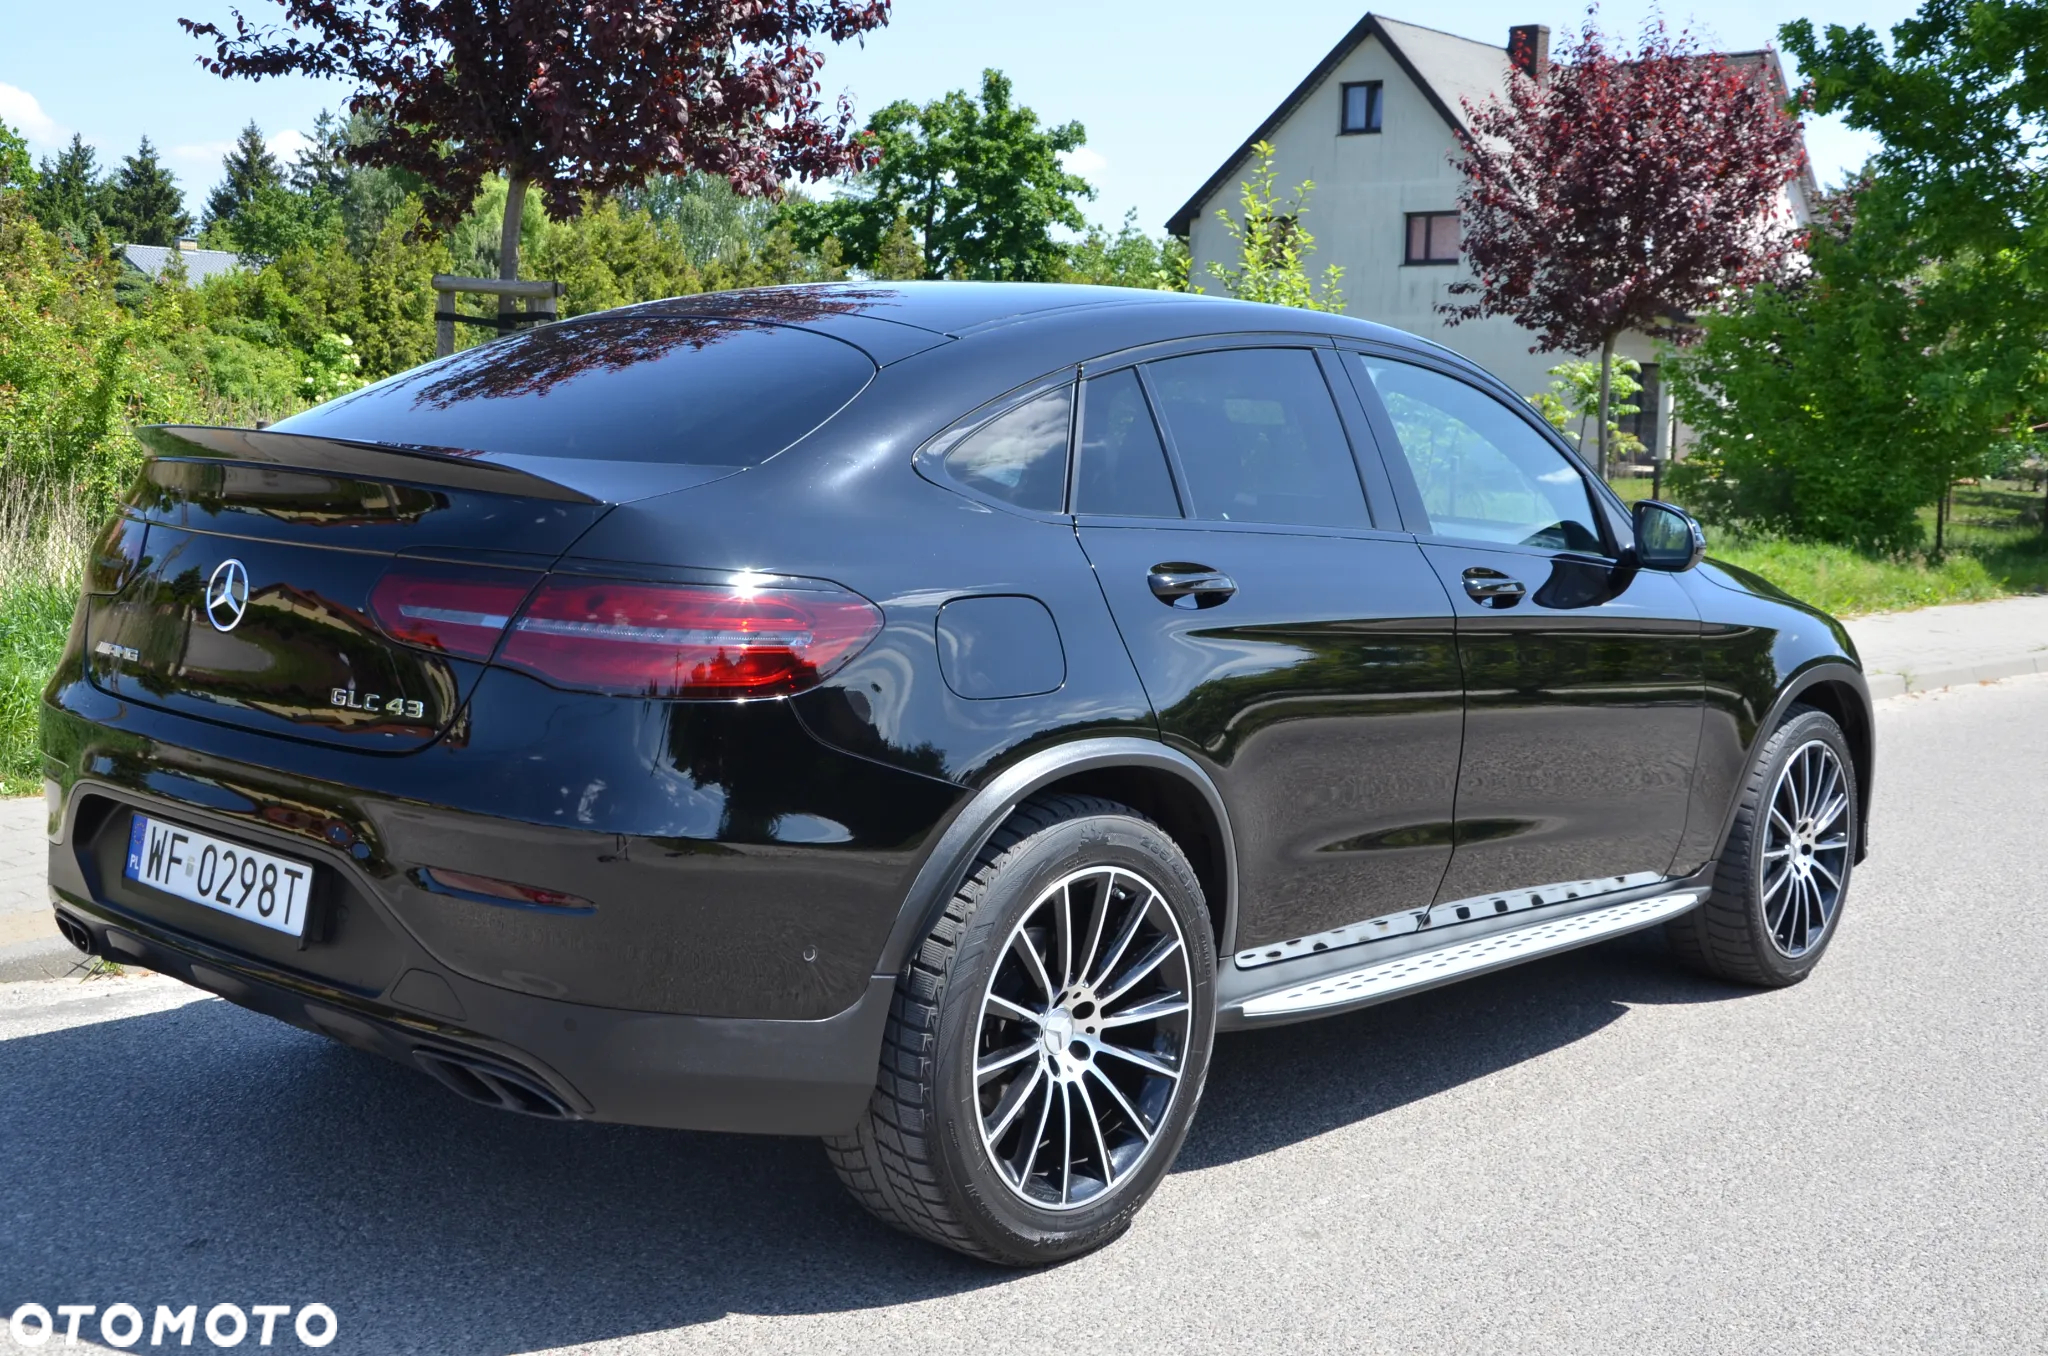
<point x="536" y="1055"/>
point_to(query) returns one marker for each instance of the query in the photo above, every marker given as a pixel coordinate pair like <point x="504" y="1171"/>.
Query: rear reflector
<point x="445" y="882"/>
<point x="454" y="609"/>
<point x="686" y="640"/>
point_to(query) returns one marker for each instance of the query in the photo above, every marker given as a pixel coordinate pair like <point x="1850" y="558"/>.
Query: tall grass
<point x="44" y="534"/>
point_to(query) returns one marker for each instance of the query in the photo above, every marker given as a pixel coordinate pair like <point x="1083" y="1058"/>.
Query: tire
<point x="1769" y="919"/>
<point x="969" y="1162"/>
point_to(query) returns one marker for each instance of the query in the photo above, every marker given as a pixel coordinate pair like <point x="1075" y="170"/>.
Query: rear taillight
<point x="454" y="609"/>
<point x="686" y="640"/>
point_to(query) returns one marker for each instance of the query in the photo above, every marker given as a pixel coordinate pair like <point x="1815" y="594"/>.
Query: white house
<point x="1376" y="125"/>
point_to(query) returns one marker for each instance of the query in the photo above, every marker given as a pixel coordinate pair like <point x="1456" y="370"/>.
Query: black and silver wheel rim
<point x="1083" y="1037"/>
<point x="1806" y="849"/>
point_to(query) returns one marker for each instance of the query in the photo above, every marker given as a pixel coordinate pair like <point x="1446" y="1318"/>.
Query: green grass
<point x="34" y="617"/>
<point x="42" y="548"/>
<point x="1995" y="548"/>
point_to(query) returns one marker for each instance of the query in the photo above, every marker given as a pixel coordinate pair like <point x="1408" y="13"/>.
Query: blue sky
<point x="1166" y="88"/>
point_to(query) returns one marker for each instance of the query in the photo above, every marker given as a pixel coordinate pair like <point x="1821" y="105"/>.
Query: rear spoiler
<point x="565" y="479"/>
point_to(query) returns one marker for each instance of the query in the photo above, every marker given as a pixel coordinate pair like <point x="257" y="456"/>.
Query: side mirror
<point x="1667" y="538"/>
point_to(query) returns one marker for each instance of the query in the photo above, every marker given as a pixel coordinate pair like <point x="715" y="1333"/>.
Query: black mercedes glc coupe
<point x="922" y="716"/>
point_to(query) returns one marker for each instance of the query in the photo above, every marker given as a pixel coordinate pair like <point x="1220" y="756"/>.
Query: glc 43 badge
<point x="349" y="699"/>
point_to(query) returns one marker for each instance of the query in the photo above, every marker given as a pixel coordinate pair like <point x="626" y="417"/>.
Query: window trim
<point x="1408" y="258"/>
<point x="1173" y="480"/>
<point x="1375" y="104"/>
<point x="929" y="461"/>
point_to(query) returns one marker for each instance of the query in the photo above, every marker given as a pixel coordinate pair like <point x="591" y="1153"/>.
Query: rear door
<point x="1584" y="688"/>
<point x="1290" y="643"/>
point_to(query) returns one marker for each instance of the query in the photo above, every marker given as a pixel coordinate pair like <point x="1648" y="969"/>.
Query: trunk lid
<point x="239" y="591"/>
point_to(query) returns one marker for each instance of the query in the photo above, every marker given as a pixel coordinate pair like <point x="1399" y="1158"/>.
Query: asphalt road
<point x="1596" y="1153"/>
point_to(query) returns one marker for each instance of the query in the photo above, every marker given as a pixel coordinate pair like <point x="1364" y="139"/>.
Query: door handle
<point x="1173" y="582"/>
<point x="1491" y="588"/>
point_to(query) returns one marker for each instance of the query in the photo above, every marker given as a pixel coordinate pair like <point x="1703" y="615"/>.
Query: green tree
<point x="76" y="369"/>
<point x="1573" y="401"/>
<point x="1127" y="257"/>
<point x="899" y="258"/>
<point x="977" y="180"/>
<point x="1273" y="246"/>
<point x="365" y="197"/>
<point x="396" y="330"/>
<point x="17" y="175"/>
<point x="144" y="204"/>
<point x="247" y="170"/>
<point x="1835" y="406"/>
<point x="1959" y="101"/>
<point x="710" y="220"/>
<point x="69" y="196"/>
<point x="606" y="256"/>
<point x="275" y="220"/>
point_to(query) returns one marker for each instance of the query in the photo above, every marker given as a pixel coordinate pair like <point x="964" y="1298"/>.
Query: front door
<point x="1304" y="657"/>
<point x="1583" y="681"/>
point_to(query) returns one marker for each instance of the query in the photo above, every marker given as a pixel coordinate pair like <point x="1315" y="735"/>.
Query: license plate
<point x="267" y="890"/>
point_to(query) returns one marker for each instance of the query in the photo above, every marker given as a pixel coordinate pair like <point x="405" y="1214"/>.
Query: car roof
<point x="949" y="308"/>
<point x="864" y="312"/>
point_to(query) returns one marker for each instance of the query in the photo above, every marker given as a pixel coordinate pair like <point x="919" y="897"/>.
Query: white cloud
<point x="201" y="159"/>
<point x="20" y="110"/>
<point x="287" y="145"/>
<point x="1084" y="161"/>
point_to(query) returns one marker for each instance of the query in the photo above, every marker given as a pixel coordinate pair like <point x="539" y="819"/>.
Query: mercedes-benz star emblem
<point x="227" y="595"/>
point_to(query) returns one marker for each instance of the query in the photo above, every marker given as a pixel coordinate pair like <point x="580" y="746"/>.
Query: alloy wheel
<point x="1806" y="849"/>
<point x="1083" y="1029"/>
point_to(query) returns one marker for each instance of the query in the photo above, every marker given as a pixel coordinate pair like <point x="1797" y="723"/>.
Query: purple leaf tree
<point x="571" y="96"/>
<point x="1624" y="191"/>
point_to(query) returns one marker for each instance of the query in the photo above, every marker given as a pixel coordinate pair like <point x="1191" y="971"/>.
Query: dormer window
<point x="1361" y="108"/>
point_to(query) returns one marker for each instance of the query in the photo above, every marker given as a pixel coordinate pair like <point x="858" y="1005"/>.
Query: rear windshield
<point x="648" y="388"/>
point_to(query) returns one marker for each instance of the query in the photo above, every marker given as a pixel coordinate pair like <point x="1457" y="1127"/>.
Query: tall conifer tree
<point x="144" y="203"/>
<point x="248" y="169"/>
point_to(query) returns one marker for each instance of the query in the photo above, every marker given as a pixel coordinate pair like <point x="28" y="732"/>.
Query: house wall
<point x="1365" y="185"/>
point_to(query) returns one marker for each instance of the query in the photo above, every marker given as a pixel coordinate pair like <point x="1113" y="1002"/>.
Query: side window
<point x="1019" y="457"/>
<point x="1258" y="438"/>
<point x="1123" y="464"/>
<point x="1483" y="474"/>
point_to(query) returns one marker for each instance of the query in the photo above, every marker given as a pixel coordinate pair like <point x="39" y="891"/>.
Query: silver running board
<point x="1425" y="969"/>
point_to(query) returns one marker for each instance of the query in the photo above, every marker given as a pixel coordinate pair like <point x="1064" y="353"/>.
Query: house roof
<point x="200" y="265"/>
<point x="1451" y="71"/>
<point x="1443" y="66"/>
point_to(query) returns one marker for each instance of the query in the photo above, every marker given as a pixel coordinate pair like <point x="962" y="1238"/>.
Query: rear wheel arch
<point x="1177" y="805"/>
<point x="1152" y="778"/>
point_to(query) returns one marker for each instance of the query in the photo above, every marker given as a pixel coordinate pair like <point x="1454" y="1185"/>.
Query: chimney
<point x="1529" y="50"/>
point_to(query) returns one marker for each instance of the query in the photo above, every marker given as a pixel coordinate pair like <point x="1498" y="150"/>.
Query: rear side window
<point x="1123" y="464"/>
<point x="649" y="389"/>
<point x="1258" y="438"/>
<point x="1019" y="457"/>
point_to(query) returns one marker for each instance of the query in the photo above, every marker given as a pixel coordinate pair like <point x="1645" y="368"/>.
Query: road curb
<point x="1985" y="671"/>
